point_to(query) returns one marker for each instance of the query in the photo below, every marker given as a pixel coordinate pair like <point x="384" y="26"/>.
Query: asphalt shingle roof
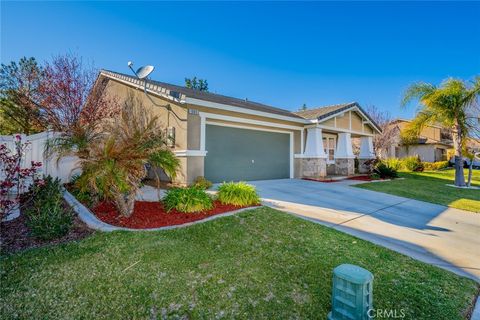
<point x="323" y="112"/>
<point x="178" y="91"/>
<point x="208" y="96"/>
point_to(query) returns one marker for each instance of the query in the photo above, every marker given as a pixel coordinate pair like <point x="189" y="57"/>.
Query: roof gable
<point x="325" y="113"/>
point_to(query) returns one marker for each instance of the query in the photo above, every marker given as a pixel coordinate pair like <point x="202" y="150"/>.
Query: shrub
<point x="393" y="163"/>
<point x="191" y="199"/>
<point x="385" y="171"/>
<point x="114" y="158"/>
<point x="47" y="217"/>
<point x="14" y="177"/>
<point x="436" y="165"/>
<point x="202" y="183"/>
<point x="412" y="163"/>
<point x="374" y="176"/>
<point x="83" y="194"/>
<point x="238" y="194"/>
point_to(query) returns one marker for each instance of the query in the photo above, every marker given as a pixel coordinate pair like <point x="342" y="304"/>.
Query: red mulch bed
<point x="321" y="180"/>
<point x="358" y="178"/>
<point x="361" y="178"/>
<point x="148" y="215"/>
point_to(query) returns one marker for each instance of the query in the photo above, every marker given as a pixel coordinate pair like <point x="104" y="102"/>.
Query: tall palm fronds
<point x="116" y="162"/>
<point x="75" y="142"/>
<point x="453" y="105"/>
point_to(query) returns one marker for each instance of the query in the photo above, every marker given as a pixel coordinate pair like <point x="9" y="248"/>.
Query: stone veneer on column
<point x="344" y="167"/>
<point x="314" y="159"/>
<point x="366" y="154"/>
<point x="344" y="157"/>
<point x="314" y="168"/>
<point x="362" y="167"/>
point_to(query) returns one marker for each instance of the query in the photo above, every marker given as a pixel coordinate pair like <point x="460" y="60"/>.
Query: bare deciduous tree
<point x="74" y="104"/>
<point x="382" y="141"/>
<point x="70" y="98"/>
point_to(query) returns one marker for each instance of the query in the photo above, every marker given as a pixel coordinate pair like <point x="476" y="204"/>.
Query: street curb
<point x="94" y="223"/>
<point x="86" y="215"/>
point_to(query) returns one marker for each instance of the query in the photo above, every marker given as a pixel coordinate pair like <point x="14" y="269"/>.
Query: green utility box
<point x="352" y="293"/>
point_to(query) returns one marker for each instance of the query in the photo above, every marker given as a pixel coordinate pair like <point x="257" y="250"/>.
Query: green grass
<point x="431" y="187"/>
<point x="261" y="263"/>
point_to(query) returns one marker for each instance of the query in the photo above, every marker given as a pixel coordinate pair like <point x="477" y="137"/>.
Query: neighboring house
<point x="473" y="142"/>
<point x="432" y="144"/>
<point x="473" y="145"/>
<point x="225" y="138"/>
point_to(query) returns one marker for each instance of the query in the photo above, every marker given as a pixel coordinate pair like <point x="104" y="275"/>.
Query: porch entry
<point x="330" y="145"/>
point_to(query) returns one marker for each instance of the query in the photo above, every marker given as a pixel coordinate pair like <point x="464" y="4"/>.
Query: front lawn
<point x="261" y="263"/>
<point x="431" y="187"/>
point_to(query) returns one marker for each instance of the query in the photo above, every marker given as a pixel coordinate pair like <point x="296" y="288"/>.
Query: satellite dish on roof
<point x="144" y="71"/>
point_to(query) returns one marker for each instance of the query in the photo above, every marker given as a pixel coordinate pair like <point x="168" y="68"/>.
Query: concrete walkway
<point x="148" y="193"/>
<point x="442" y="236"/>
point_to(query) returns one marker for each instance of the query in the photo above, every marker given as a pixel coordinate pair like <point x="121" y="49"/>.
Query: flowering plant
<point x="14" y="179"/>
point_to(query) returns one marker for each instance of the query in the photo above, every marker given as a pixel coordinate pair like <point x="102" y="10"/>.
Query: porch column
<point x="366" y="148"/>
<point x="366" y="153"/>
<point x="344" y="157"/>
<point x="314" y="159"/>
<point x="314" y="144"/>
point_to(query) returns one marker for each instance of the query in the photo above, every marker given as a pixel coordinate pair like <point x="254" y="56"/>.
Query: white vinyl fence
<point x="63" y="169"/>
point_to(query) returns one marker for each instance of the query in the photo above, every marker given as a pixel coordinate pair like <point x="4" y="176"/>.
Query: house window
<point x="440" y="154"/>
<point x="329" y="145"/>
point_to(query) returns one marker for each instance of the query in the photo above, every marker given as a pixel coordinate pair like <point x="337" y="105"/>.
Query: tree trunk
<point x="457" y="144"/>
<point x="125" y="203"/>
<point x="470" y="169"/>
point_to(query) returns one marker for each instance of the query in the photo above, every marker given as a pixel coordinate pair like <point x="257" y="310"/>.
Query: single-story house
<point x="230" y="139"/>
<point x="431" y="145"/>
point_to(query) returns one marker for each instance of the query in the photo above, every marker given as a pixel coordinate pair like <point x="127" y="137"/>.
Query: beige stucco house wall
<point x="431" y="146"/>
<point x="181" y="109"/>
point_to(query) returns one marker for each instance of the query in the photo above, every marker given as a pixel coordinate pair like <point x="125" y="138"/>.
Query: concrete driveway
<point x="442" y="236"/>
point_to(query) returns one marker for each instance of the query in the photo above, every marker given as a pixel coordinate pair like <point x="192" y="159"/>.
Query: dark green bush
<point x="384" y="171"/>
<point x="374" y="176"/>
<point x="238" y="194"/>
<point x="47" y="216"/>
<point x="191" y="199"/>
<point x="82" y="193"/>
<point x="202" y="183"/>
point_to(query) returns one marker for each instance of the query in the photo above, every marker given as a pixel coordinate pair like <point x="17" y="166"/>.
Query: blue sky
<point x="279" y="53"/>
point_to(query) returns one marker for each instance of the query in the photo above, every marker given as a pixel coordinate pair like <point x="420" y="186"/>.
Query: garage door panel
<point x="235" y="154"/>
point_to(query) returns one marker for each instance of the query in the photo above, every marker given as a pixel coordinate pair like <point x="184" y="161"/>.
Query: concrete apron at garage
<point x="435" y="234"/>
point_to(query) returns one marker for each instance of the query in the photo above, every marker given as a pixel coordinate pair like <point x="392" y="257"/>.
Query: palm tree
<point x="113" y="160"/>
<point x="117" y="164"/>
<point x="450" y="105"/>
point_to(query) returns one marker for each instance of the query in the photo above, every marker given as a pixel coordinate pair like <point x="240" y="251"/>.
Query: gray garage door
<point x="235" y="154"/>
